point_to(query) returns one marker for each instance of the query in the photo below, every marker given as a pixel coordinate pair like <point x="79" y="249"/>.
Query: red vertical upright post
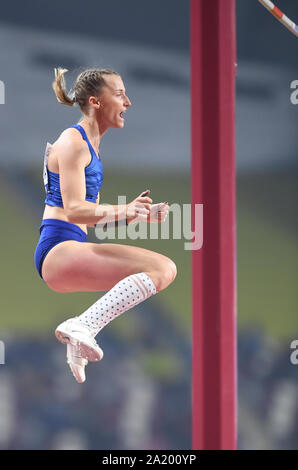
<point x="213" y="72"/>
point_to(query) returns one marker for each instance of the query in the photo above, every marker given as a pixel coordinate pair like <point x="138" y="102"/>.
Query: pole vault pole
<point x="213" y="71"/>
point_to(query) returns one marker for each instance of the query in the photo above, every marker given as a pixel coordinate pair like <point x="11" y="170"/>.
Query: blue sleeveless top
<point x="93" y="176"/>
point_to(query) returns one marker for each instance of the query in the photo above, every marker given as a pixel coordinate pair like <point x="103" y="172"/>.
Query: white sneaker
<point x="76" y="363"/>
<point x="77" y="334"/>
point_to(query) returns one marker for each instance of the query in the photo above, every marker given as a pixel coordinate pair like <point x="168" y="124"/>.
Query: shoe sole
<point x="78" y="378"/>
<point x="87" y="351"/>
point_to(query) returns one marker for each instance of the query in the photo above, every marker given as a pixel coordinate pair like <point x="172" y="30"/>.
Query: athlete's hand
<point x="139" y="209"/>
<point x="158" y="212"/>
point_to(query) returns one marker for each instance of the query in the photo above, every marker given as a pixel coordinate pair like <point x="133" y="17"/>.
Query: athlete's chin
<point x="119" y="125"/>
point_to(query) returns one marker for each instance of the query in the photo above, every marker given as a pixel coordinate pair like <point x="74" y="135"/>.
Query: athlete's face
<point x="113" y="102"/>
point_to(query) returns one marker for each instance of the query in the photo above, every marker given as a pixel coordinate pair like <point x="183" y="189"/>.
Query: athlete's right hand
<point x="139" y="209"/>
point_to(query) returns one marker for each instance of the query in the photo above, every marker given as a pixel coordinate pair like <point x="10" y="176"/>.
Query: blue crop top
<point x="93" y="176"/>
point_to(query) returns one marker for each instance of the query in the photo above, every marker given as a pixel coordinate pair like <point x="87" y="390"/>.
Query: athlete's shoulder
<point x="69" y="140"/>
<point x="69" y="147"/>
<point x="69" y="135"/>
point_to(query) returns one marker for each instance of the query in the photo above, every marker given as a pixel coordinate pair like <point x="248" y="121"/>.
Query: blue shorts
<point x="52" y="232"/>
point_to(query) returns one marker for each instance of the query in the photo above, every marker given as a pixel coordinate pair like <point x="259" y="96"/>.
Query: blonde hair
<point x="88" y="83"/>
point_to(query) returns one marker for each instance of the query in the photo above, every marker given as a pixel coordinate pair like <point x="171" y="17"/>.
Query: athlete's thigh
<point x="74" y="266"/>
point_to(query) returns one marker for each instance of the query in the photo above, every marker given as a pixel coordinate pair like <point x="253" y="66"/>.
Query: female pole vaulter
<point x="73" y="176"/>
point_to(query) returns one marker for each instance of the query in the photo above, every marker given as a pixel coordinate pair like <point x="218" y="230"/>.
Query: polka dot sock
<point x="127" y="293"/>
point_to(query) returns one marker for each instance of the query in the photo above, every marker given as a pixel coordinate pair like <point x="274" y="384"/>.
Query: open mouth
<point x="121" y="115"/>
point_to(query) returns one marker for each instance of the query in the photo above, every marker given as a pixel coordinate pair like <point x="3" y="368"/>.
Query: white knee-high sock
<point x="127" y="293"/>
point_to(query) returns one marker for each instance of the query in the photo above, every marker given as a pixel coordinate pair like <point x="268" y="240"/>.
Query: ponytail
<point x="60" y="89"/>
<point x="89" y="83"/>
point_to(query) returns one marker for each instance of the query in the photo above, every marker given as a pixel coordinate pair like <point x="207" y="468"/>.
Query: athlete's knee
<point x="164" y="273"/>
<point x="170" y="270"/>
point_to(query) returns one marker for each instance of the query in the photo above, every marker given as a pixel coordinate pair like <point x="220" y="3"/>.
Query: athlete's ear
<point x="94" y="102"/>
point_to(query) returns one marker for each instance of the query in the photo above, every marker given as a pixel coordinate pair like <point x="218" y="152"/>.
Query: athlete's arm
<point x="96" y="202"/>
<point x="71" y="162"/>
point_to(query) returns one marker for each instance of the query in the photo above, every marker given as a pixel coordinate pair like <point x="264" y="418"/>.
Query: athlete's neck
<point x="93" y="130"/>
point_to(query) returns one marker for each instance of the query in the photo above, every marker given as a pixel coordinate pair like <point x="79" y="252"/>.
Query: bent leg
<point x="130" y="274"/>
<point x="72" y="266"/>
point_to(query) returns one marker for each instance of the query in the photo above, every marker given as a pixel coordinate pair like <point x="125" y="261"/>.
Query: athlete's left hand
<point x="158" y="212"/>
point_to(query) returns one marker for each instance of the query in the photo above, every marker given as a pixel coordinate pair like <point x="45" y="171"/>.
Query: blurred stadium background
<point x="139" y="397"/>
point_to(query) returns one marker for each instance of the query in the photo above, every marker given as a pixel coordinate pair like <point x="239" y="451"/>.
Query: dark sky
<point x="261" y="37"/>
<point x="156" y="22"/>
<point x="159" y="22"/>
